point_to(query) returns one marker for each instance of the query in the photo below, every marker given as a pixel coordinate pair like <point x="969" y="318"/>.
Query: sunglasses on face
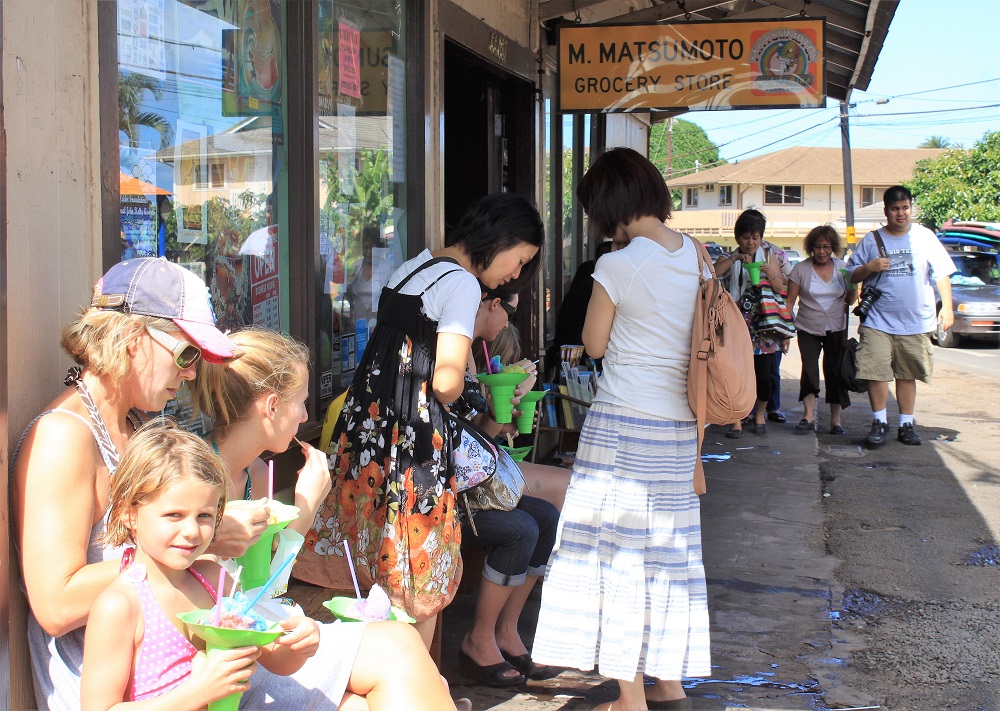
<point x="511" y="310"/>
<point x="185" y="354"/>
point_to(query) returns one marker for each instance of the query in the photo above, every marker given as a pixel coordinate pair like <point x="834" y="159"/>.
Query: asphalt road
<point x="980" y="358"/>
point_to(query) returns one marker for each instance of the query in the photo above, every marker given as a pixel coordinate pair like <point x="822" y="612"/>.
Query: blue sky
<point x="931" y="45"/>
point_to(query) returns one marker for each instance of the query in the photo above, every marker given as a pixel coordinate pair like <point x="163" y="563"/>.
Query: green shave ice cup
<point x="341" y="609"/>
<point x="516" y="453"/>
<point x="256" y="561"/>
<point x="529" y="403"/>
<point x="219" y="638"/>
<point x="501" y="387"/>
<point x="754" y="269"/>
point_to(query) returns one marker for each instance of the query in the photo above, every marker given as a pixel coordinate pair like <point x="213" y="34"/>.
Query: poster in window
<point x="265" y="286"/>
<point x="251" y="60"/>
<point x="138" y="215"/>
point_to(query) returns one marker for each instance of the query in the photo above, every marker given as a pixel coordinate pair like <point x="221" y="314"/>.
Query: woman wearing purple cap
<point x="148" y="325"/>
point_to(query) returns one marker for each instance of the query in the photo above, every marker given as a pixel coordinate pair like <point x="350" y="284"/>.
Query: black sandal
<point x="523" y="664"/>
<point x="490" y="674"/>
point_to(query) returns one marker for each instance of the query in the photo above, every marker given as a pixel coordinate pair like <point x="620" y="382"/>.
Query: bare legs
<point x="545" y="482"/>
<point x="425" y="628"/>
<point x="809" y="405"/>
<point x="410" y="682"/>
<point x="495" y="625"/>
<point x="906" y="395"/>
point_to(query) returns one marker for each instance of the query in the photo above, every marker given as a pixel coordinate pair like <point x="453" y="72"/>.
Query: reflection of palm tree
<point x="131" y="88"/>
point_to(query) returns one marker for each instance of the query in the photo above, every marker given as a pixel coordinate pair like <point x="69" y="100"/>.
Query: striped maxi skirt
<point x="625" y="588"/>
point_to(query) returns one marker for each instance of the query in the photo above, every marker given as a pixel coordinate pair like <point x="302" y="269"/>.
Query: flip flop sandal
<point x="776" y="417"/>
<point x="491" y="674"/>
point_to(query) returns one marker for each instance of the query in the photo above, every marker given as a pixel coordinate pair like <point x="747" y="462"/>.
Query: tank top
<point x="56" y="661"/>
<point x="164" y="659"/>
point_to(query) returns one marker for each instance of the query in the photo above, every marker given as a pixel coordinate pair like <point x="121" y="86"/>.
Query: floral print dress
<point x="393" y="494"/>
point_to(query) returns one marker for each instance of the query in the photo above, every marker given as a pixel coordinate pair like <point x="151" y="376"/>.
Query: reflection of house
<point x="232" y="162"/>
<point x="796" y="188"/>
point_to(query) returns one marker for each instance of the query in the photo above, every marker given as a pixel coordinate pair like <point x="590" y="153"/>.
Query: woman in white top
<point x="393" y="494"/>
<point x="626" y="584"/>
<point x="823" y="292"/>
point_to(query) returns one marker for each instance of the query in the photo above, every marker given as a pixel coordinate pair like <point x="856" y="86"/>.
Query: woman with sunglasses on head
<point x="393" y="493"/>
<point x="517" y="542"/>
<point x="147" y="327"/>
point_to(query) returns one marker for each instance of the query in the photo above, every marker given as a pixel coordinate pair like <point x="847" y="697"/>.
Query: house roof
<point x="805" y="165"/>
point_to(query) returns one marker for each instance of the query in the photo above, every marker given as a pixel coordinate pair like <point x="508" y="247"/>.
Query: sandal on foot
<point x="674" y="704"/>
<point x="777" y="416"/>
<point x="806" y="426"/>
<point x="535" y="672"/>
<point x="489" y="674"/>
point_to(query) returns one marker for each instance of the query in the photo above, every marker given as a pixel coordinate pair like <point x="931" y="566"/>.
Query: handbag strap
<point x="707" y="291"/>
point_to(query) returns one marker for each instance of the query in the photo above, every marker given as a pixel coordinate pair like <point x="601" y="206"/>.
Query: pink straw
<point x="350" y="565"/>
<point x="489" y="371"/>
<point x="218" y="597"/>
<point x="270" y="479"/>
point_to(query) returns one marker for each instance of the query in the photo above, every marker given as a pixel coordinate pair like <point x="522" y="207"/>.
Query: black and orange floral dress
<point x="393" y="496"/>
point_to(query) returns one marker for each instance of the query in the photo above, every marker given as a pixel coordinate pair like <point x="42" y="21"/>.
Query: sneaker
<point x="908" y="435"/>
<point x="878" y="433"/>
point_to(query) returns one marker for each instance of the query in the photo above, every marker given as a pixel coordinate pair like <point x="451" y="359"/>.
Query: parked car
<point x="793" y="257"/>
<point x="975" y="294"/>
<point x="714" y="250"/>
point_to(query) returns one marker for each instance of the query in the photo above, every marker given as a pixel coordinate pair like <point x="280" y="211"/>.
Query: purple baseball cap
<point x="155" y="287"/>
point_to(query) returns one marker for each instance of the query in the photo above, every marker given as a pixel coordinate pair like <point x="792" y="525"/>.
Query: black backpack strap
<point x="882" y="251"/>
<point x="425" y="265"/>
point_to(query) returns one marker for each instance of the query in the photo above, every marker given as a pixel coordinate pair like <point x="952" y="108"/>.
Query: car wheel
<point x="946" y="339"/>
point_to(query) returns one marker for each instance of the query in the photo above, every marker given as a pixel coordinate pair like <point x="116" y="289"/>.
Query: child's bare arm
<point x="288" y="653"/>
<point x="109" y="647"/>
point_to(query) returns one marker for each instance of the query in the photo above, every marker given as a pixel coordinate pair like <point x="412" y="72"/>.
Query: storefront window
<point x="202" y="148"/>
<point x="362" y="174"/>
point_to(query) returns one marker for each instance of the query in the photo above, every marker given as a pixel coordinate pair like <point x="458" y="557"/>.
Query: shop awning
<point x="855" y="29"/>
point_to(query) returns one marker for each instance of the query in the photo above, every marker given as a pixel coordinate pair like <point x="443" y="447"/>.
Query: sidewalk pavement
<point x="771" y="586"/>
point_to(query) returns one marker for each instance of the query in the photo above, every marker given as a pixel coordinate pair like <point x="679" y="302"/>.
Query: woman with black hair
<point x="393" y="495"/>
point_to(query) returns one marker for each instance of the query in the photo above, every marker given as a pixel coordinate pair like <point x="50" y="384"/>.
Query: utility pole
<point x="845" y="150"/>
<point x="670" y="147"/>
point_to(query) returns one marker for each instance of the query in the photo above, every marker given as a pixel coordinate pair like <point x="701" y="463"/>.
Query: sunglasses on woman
<point x="511" y="310"/>
<point x="185" y="354"/>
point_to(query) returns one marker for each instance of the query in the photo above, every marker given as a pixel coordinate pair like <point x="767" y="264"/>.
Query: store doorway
<point x="489" y="146"/>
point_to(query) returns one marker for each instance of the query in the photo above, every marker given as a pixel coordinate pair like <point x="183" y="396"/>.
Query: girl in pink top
<point x="167" y="499"/>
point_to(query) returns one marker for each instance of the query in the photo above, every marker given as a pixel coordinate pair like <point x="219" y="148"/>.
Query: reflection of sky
<point x="192" y="86"/>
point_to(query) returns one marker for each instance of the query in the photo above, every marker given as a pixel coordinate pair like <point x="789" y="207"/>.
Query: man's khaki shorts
<point x="883" y="356"/>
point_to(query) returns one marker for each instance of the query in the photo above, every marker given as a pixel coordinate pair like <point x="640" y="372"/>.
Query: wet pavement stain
<point x="747" y="586"/>
<point x="985" y="556"/>
<point x="868" y="604"/>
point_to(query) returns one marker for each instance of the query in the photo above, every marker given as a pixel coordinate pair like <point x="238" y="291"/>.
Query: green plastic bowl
<point x="340" y="605"/>
<point x="225" y="638"/>
<point x="516" y="453"/>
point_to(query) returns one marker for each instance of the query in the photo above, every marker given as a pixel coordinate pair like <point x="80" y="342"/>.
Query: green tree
<point x="963" y="184"/>
<point x="937" y="142"/>
<point x="132" y="89"/>
<point x="690" y="149"/>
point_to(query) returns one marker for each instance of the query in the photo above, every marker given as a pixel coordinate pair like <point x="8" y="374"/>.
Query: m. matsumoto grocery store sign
<point x="692" y="65"/>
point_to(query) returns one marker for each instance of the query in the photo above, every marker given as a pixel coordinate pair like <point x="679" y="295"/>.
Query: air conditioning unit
<point x="709" y="188"/>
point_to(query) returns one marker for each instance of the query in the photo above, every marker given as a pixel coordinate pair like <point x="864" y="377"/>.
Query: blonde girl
<point x="258" y="403"/>
<point x="167" y="500"/>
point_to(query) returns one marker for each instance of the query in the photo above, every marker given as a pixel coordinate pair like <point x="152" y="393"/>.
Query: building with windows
<point x="796" y="188"/>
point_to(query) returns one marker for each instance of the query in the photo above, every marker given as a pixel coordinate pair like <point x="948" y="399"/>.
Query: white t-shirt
<point x="907" y="304"/>
<point x="452" y="302"/>
<point x="646" y="363"/>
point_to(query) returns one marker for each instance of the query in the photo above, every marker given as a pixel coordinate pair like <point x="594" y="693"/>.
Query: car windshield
<point x="979" y="266"/>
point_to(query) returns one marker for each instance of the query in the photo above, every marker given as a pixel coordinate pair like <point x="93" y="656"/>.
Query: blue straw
<point x="269" y="583"/>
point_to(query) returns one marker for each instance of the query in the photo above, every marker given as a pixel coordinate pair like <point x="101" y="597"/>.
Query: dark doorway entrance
<point x="488" y="141"/>
<point x="488" y="145"/>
